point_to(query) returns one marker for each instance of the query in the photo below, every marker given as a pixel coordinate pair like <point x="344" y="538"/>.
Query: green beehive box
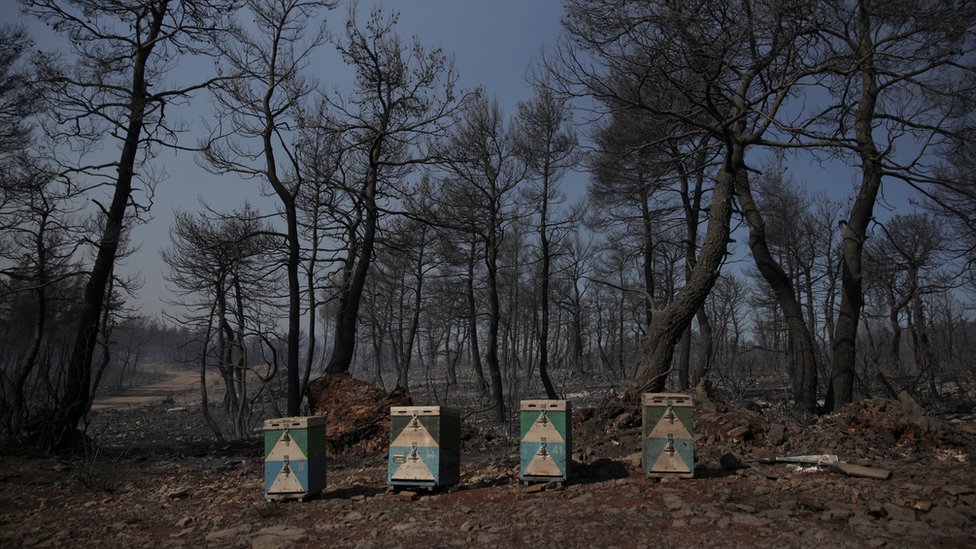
<point x="425" y="447"/>
<point x="546" y="442"/>
<point x="668" y="433"/>
<point x="294" y="457"/>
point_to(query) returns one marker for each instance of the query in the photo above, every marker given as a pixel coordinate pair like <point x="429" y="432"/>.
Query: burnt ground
<point x="156" y="479"/>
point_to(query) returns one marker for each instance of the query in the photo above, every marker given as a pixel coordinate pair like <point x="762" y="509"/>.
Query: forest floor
<point x="156" y="478"/>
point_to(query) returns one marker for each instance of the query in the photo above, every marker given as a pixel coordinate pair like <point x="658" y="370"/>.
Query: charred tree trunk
<point x="78" y="376"/>
<point x="494" y="317"/>
<point x="473" y="324"/>
<point x="854" y="232"/>
<point x="348" y="319"/>
<point x="802" y="345"/>
<point x="544" y="288"/>
<point x="669" y="323"/>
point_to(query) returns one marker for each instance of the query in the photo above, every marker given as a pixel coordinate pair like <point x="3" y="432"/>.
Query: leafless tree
<point x="117" y="92"/>
<point x="901" y="76"/>
<point x="718" y="68"/>
<point x="545" y="137"/>
<point x="403" y="98"/>
<point x="261" y="109"/>
<point x="484" y="170"/>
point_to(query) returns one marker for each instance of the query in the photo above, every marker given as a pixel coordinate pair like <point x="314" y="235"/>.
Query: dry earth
<point x="157" y="480"/>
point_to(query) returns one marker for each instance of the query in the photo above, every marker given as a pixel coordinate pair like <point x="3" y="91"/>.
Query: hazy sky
<point x="493" y="44"/>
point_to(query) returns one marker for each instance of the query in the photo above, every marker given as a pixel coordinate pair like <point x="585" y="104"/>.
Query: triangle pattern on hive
<point x="286" y="482"/>
<point x="543" y="430"/>
<point x="542" y="464"/>
<point x="670" y="425"/>
<point x="286" y="449"/>
<point x="666" y="461"/>
<point x="415" y="433"/>
<point x="413" y="468"/>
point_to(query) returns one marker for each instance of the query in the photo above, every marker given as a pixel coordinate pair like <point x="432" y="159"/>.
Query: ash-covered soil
<point x="156" y="479"/>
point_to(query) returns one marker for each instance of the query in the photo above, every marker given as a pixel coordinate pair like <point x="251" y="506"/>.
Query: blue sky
<point x="493" y="43"/>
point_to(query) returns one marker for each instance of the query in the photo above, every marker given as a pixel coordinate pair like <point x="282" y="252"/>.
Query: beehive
<point x="294" y="457"/>
<point x="668" y="434"/>
<point x="425" y="447"/>
<point x="546" y="440"/>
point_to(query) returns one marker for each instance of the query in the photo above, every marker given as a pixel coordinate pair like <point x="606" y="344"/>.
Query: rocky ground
<point x="156" y="479"/>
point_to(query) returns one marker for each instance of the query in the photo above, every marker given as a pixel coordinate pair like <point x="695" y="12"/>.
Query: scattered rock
<point x="731" y="461"/>
<point x="739" y="433"/>
<point x="353" y="516"/>
<point x="278" y="536"/>
<point x="923" y="506"/>
<point x="407" y="495"/>
<point x="895" y="512"/>
<point x="673" y="502"/>
<point x="945" y="517"/>
<point x="179" y="493"/>
<point x="228" y="534"/>
<point x="776" y="434"/>
<point x="956" y="490"/>
<point x="635" y="460"/>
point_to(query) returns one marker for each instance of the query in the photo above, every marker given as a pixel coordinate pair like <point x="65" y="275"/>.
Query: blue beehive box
<point x="546" y="442"/>
<point x="425" y="447"/>
<point x="294" y="457"/>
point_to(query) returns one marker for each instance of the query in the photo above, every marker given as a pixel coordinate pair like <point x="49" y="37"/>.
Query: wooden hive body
<point x="546" y="443"/>
<point x="668" y="434"/>
<point x="294" y="457"/>
<point x="425" y="447"/>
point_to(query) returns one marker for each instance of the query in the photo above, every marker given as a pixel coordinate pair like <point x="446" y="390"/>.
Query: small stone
<point x="635" y="460"/>
<point x="183" y="522"/>
<point x="468" y="526"/>
<point x="776" y="434"/>
<point x="673" y="503"/>
<point x="678" y="523"/>
<point x="353" y="516"/>
<point x="408" y="496"/>
<point x="731" y="461"/>
<point x="358" y="498"/>
<point x="945" y="517"/>
<point x="923" y="506"/>
<point x="179" y="493"/>
<point x="860" y="521"/>
<point x="739" y="433"/>
<point x="956" y="490"/>
<point x="582" y="498"/>
<point x="228" y="534"/>
<point x="895" y="512"/>
<point x="536" y="488"/>
<point x="274" y="537"/>
<point x="877" y="542"/>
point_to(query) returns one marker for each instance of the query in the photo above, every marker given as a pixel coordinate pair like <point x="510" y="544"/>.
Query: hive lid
<point x="534" y="405"/>
<point x="666" y="399"/>
<point x="298" y="422"/>
<point x="423" y="411"/>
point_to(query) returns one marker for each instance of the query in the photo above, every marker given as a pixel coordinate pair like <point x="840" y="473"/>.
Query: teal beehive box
<point x="668" y="433"/>
<point x="294" y="457"/>
<point x="425" y="447"/>
<point x="546" y="442"/>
